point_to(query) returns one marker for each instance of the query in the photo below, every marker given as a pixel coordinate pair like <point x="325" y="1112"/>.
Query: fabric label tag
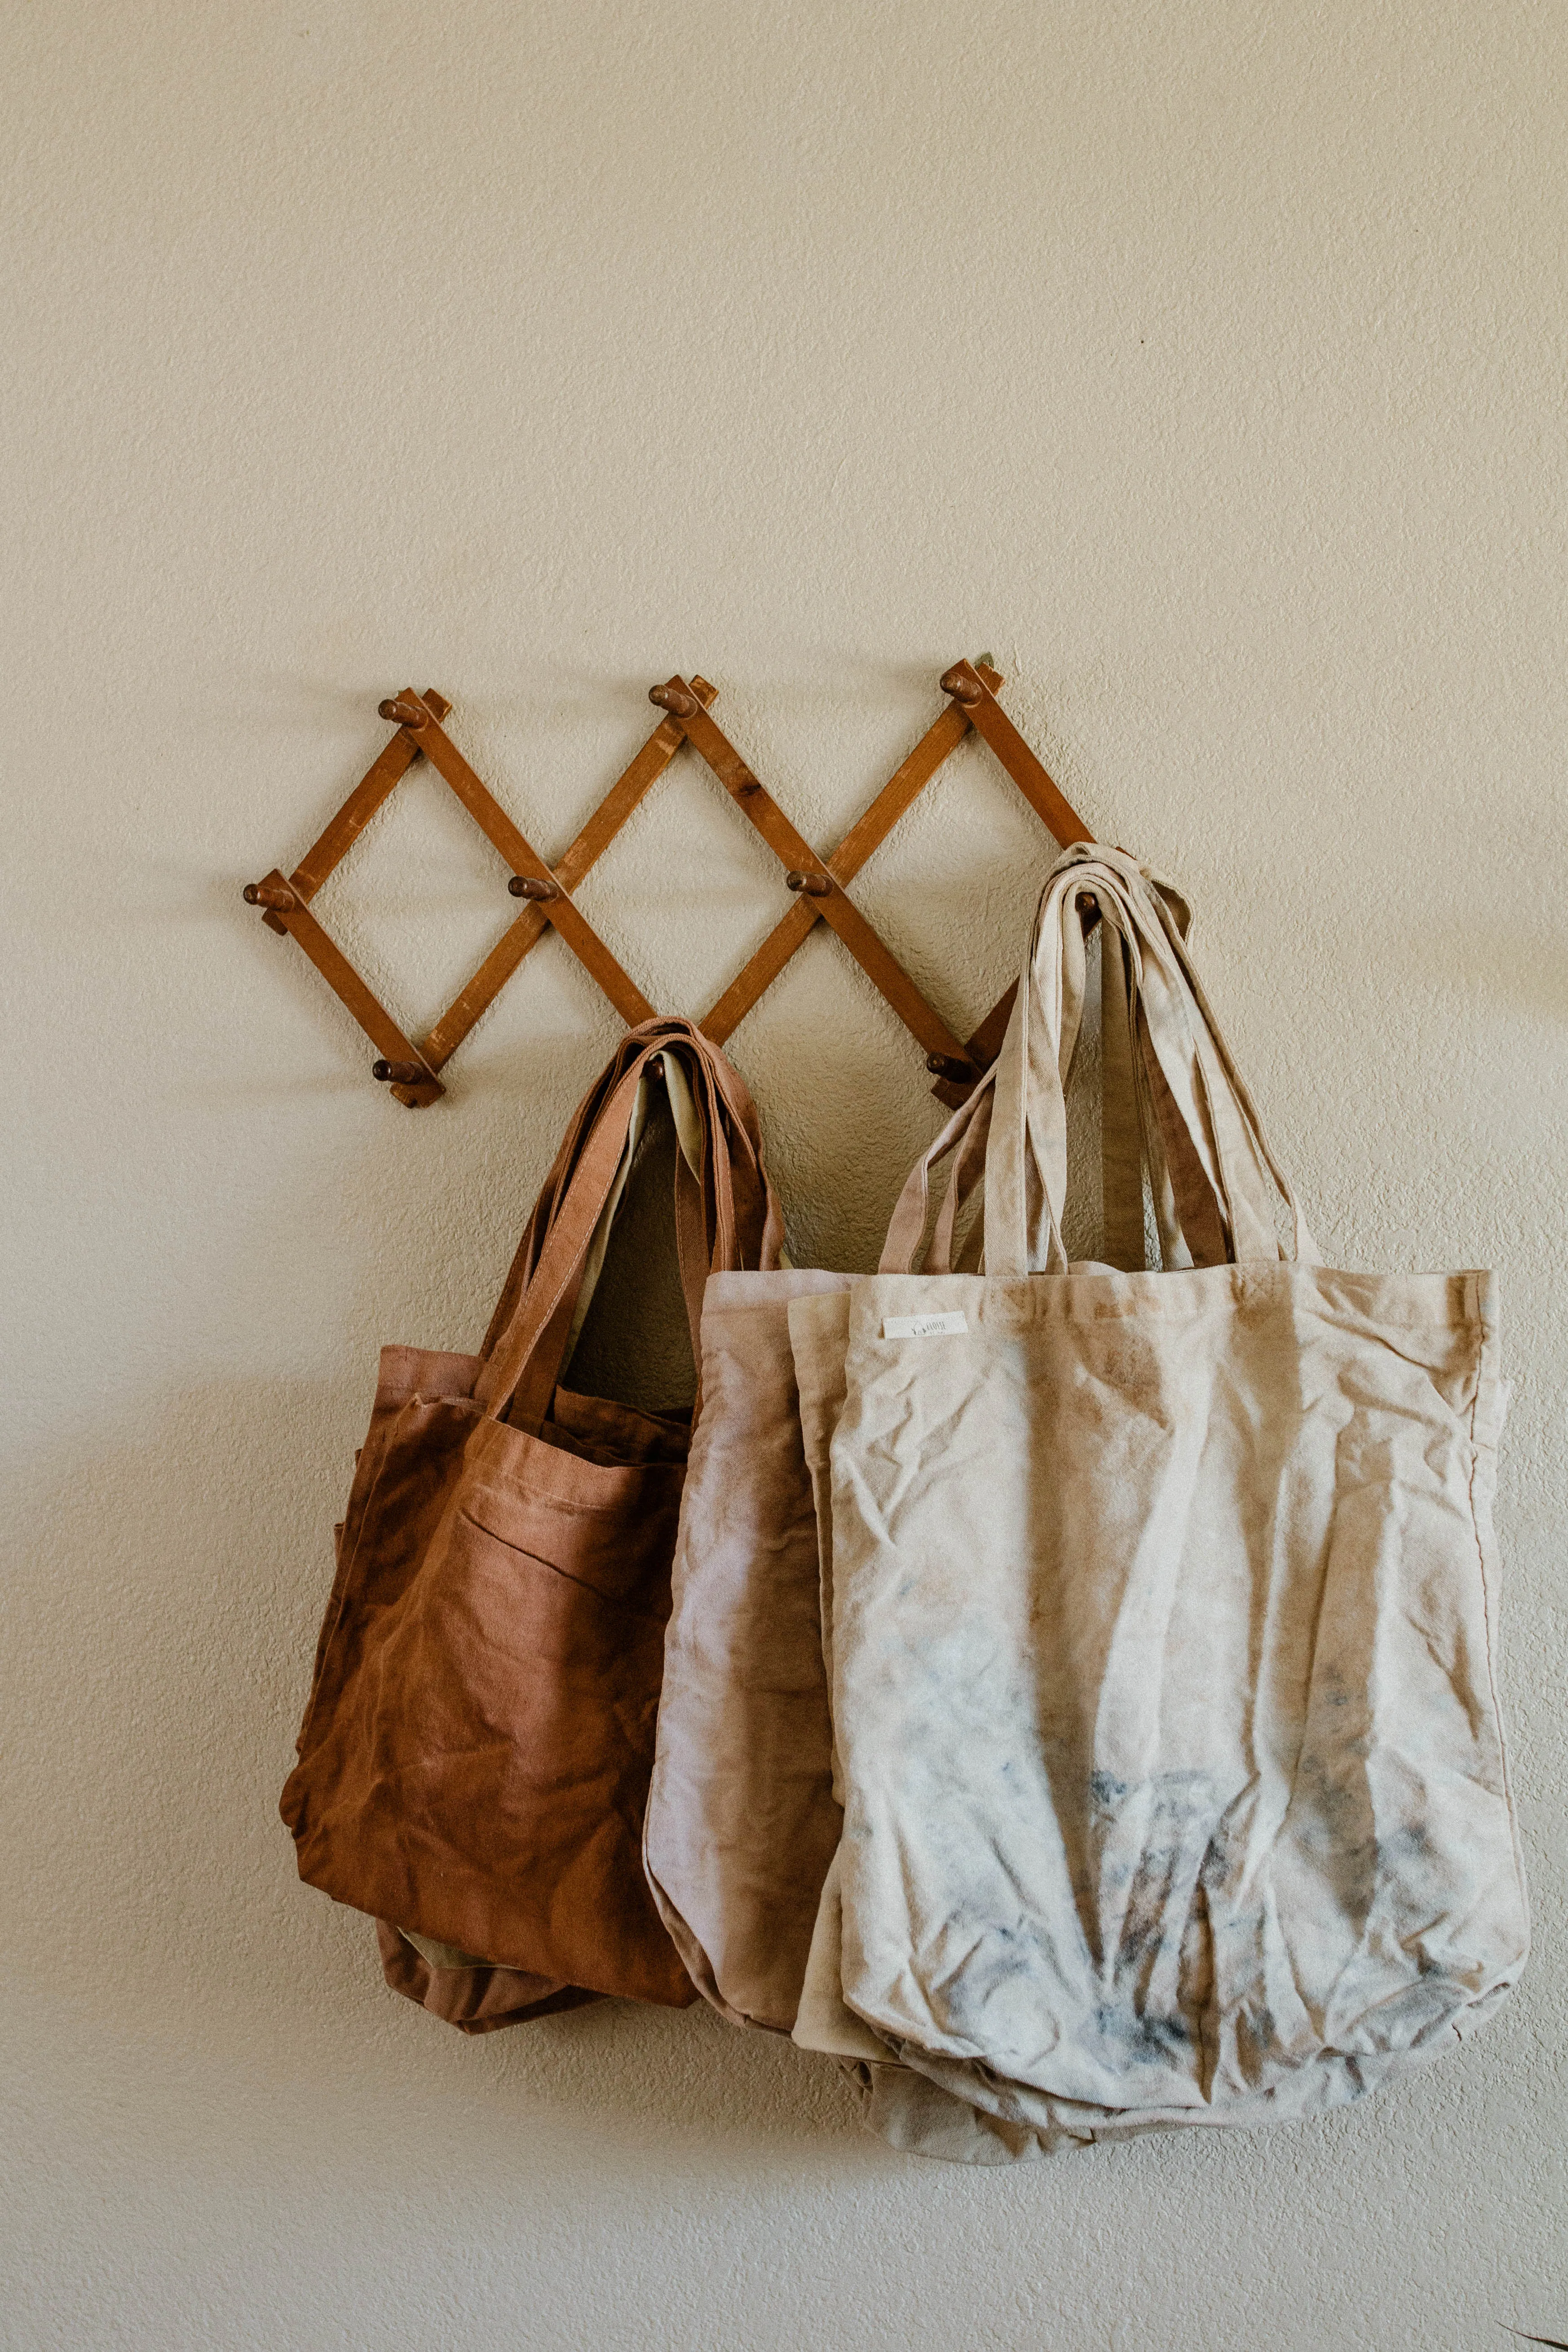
<point x="921" y="1327"/>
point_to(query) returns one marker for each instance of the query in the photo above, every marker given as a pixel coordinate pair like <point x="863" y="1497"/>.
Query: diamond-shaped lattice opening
<point x="942" y="894"/>
<point x="824" y="885"/>
<point x="708" y="881"/>
<point x="419" y="900"/>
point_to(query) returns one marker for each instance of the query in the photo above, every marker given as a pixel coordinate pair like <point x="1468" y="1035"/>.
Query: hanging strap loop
<point x="727" y="1214"/>
<point x="1219" y="1174"/>
<point x="965" y="1139"/>
<point x="965" y="1134"/>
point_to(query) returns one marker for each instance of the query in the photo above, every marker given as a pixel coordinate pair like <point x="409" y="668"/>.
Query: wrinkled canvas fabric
<point x="741" y="1820"/>
<point x="1163" y="1620"/>
<point x="475" y="1757"/>
<point x="910" y="2110"/>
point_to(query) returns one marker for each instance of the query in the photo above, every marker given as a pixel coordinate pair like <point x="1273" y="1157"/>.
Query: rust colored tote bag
<point x="475" y="1757"/>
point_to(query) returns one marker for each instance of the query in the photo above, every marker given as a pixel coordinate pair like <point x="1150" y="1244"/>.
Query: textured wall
<point x="1202" y="360"/>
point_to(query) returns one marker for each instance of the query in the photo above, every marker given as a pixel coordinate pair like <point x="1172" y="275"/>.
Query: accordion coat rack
<point x="820" y="885"/>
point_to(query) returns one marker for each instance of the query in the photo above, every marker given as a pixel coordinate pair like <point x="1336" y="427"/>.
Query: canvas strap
<point x="1221" y="1173"/>
<point x="964" y="1140"/>
<point x="727" y="1214"/>
<point x="969" y="1126"/>
<point x="1122" y="1149"/>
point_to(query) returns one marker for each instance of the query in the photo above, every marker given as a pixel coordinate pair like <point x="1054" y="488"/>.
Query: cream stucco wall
<point x="1206" y="362"/>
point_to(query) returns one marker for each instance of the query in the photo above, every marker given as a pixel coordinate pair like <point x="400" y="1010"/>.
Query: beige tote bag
<point x="742" y="1818"/>
<point x="1164" y="1619"/>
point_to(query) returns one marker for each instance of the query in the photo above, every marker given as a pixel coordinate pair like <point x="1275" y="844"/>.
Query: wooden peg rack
<point x="820" y="886"/>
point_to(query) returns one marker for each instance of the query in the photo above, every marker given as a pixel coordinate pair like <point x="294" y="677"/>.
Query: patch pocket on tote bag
<point x="541" y="1651"/>
<point x="617" y="1559"/>
<point x="576" y="1670"/>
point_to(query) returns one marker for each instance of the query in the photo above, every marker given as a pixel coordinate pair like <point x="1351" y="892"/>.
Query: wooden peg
<point x="946" y="1065"/>
<point x="404" y="712"/>
<point x="529" y="885"/>
<point x="274" y="895"/>
<point x="400" y="1074"/>
<point x="673" y="698"/>
<point x="813" y="886"/>
<point x="1088" y="907"/>
<point x="961" y="687"/>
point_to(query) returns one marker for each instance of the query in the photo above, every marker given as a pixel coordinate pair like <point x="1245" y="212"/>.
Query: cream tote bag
<point x="1164" y="1614"/>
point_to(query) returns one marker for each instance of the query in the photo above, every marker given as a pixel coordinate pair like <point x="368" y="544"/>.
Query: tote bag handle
<point x="965" y="1134"/>
<point x="727" y="1218"/>
<point x="1219" y="1164"/>
<point x="746" y="1166"/>
<point x="525" y="1355"/>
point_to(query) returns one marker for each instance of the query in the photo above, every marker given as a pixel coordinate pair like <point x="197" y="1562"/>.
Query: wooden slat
<point x="904" y="786"/>
<point x="1051" y="805"/>
<point x="727" y="1013"/>
<point x="477" y="994"/>
<point x="362" y="803"/>
<point x="524" y="858"/>
<point x="1055" y="811"/>
<point x="628" y="790"/>
<point x="355" y="813"/>
<point x="880" y="965"/>
<point x="898" y="795"/>
<point x="346" y="984"/>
